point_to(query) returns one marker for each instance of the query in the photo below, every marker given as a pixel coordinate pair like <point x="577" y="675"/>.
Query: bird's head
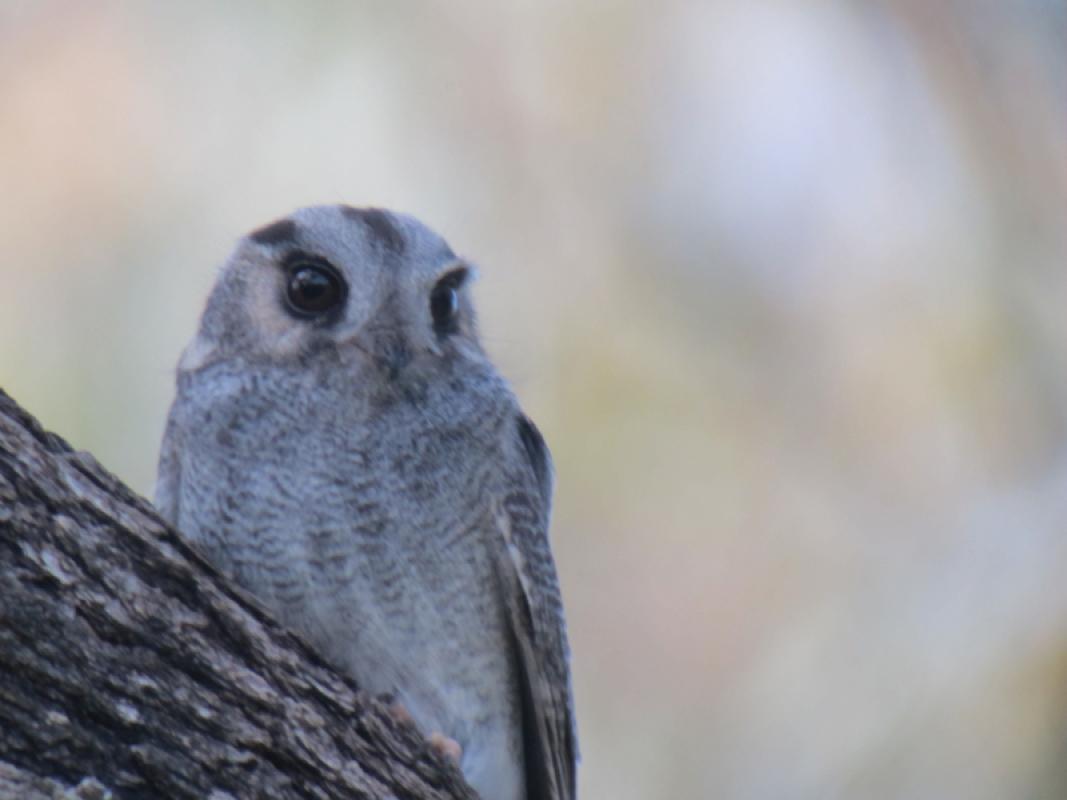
<point x="378" y="290"/>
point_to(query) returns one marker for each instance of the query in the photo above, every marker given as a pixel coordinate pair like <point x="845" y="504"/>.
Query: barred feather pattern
<point x="371" y="478"/>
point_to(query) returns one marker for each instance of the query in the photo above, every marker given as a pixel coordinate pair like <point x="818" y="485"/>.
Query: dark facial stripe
<point x="380" y="225"/>
<point x="281" y="232"/>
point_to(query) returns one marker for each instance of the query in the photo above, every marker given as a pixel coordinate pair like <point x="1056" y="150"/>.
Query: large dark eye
<point x="444" y="301"/>
<point x="313" y="287"/>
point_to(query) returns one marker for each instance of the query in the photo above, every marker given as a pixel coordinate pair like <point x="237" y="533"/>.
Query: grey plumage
<point x="341" y="445"/>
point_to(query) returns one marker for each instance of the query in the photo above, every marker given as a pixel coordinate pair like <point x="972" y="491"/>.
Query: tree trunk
<point x="130" y="668"/>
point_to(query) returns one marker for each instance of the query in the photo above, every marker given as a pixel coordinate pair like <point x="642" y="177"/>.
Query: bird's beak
<point x="393" y="353"/>
<point x="386" y="347"/>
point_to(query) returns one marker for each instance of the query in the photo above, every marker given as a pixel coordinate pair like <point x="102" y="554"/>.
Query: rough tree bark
<point x="130" y="668"/>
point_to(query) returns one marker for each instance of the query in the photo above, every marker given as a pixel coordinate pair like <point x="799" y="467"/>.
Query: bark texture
<point x="129" y="668"/>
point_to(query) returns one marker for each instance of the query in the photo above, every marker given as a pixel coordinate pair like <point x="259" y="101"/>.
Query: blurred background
<point x="783" y="283"/>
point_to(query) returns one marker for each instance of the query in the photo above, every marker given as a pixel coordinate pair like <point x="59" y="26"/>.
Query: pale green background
<point x="785" y="285"/>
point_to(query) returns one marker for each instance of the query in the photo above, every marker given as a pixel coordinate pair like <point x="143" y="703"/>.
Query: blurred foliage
<point x="783" y="283"/>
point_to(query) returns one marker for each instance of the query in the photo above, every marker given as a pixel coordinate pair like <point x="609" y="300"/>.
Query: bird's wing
<point x="531" y="591"/>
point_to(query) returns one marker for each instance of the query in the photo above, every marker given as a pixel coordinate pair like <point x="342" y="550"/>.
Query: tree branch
<point x="130" y="668"/>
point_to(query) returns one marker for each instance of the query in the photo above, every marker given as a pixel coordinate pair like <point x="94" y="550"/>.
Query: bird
<point x="341" y="446"/>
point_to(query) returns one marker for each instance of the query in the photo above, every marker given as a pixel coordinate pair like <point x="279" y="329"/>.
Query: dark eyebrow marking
<point x="381" y="227"/>
<point x="279" y="232"/>
<point x="454" y="278"/>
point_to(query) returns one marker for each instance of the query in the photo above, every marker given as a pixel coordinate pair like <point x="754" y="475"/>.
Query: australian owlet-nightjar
<point x="343" y="448"/>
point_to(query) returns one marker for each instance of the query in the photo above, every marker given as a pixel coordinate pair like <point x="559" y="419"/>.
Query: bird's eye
<point x="313" y="287"/>
<point x="444" y="301"/>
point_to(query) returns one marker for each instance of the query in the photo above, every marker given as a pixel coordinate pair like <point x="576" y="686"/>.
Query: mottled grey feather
<point x="536" y="611"/>
<point x="372" y="479"/>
